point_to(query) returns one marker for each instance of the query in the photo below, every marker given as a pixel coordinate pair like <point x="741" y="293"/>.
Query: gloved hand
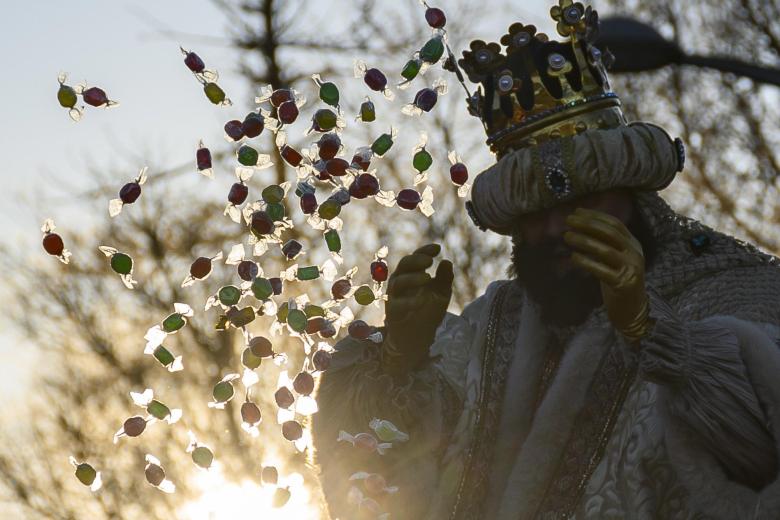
<point x="605" y="248"/>
<point x="416" y="305"/>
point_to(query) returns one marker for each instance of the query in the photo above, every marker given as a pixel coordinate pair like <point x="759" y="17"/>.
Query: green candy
<point x="313" y="310"/>
<point x="364" y="295"/>
<point x="329" y="209"/>
<point x="158" y="410"/>
<point x="241" y="318"/>
<point x="121" y="263"/>
<point x="229" y="295"/>
<point x="433" y="50"/>
<point x="273" y="194"/>
<point x="297" y="320"/>
<point x="329" y="93"/>
<point x="247" y="156"/>
<point x="67" y="96"/>
<point x="173" y="322"/>
<point x="275" y="211"/>
<point x="410" y="70"/>
<point x="214" y="92"/>
<point x="163" y="355"/>
<point x="249" y="360"/>
<point x="367" y="112"/>
<point x="382" y="144"/>
<point x="86" y="474"/>
<point x="281" y="314"/>
<point x="325" y="119"/>
<point x="333" y="240"/>
<point x="202" y="456"/>
<point x="422" y="160"/>
<point x="262" y="288"/>
<point x="223" y="392"/>
<point x="308" y="273"/>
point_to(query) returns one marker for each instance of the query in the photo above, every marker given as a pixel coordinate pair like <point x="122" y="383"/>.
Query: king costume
<point x="679" y="422"/>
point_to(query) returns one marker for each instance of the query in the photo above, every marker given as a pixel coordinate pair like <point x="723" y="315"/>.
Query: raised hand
<point x="416" y="305"/>
<point x="606" y="248"/>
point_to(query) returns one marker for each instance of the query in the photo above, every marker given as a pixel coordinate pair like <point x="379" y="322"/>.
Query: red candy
<point x="238" y="193"/>
<point x="435" y="17"/>
<point x="288" y="112"/>
<point x="408" y="198"/>
<point x="379" y="271"/>
<point x="203" y="158"/>
<point x="459" y="173"/>
<point x="375" y="80"/>
<point x="95" y="96"/>
<point x="234" y="129"/>
<point x="53" y="244"/>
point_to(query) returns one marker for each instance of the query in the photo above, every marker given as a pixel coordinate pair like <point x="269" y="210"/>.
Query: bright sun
<point x="223" y="500"/>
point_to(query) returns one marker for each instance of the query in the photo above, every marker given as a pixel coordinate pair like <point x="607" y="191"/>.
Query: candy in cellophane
<point x="53" y="243"/>
<point x="200" y="269"/>
<point x="121" y="263"/>
<point x="155" y="475"/>
<point x="86" y="474"/>
<point x="170" y="325"/>
<point x="128" y="194"/>
<point x="374" y="78"/>
<point x="459" y="174"/>
<point x="203" y="160"/>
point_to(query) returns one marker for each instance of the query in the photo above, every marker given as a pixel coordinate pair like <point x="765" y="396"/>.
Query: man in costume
<point x="629" y="368"/>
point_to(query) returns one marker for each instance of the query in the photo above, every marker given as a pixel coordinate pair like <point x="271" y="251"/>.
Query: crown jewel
<point x="539" y="90"/>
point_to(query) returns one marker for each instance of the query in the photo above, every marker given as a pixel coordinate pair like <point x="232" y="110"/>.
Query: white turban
<point x="641" y="156"/>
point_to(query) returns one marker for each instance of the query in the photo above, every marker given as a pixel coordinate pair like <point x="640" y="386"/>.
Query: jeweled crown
<point x="541" y="89"/>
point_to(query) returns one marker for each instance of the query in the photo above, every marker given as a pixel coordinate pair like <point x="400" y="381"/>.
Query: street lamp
<point x="638" y="47"/>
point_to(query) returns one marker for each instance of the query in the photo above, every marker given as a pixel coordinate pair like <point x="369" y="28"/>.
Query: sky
<point x="124" y="47"/>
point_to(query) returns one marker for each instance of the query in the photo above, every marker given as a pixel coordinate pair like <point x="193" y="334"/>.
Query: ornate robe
<point x="513" y="420"/>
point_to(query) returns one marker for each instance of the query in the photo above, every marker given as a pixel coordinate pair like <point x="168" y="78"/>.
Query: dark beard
<point x="564" y="299"/>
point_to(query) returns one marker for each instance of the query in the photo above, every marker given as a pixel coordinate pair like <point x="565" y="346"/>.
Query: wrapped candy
<point x="96" y="97"/>
<point x="255" y="122"/>
<point x="203" y="160"/>
<point x="426" y="98"/>
<point x="132" y="427"/>
<point x="155" y="475"/>
<point x="223" y="391"/>
<point x="374" y="78"/>
<point x="434" y="16"/>
<point x="325" y="120"/>
<point x="409" y="199"/>
<point x="238" y="194"/>
<point x="433" y="49"/>
<point x="373" y="483"/>
<point x="128" y="194"/>
<point x="459" y="174"/>
<point x="200" y="269"/>
<point x="387" y="431"/>
<point x="155" y="408"/>
<point x="286" y="101"/>
<point x="365" y="441"/>
<point x="366" y="507"/>
<point x="367" y="111"/>
<point x="201" y="455"/>
<point x="86" y="474"/>
<point x="67" y="96"/>
<point x="379" y="270"/>
<point x="121" y="264"/>
<point x="165" y="357"/>
<point x="411" y="70"/>
<point x="198" y="67"/>
<point x="249" y="157"/>
<point x="170" y="325"/>
<point x="342" y="288"/>
<point x="329" y="92"/>
<point x="234" y="131"/>
<point x="421" y="160"/>
<point x="53" y="243"/>
<point x="250" y="417"/>
<point x="383" y="143"/>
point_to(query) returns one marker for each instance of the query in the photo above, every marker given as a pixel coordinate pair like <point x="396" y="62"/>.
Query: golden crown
<point x="540" y="89"/>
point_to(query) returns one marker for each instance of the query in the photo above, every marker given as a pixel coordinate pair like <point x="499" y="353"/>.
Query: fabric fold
<point x="708" y="390"/>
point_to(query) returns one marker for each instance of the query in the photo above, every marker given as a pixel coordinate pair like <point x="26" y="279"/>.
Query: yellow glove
<point x="605" y="248"/>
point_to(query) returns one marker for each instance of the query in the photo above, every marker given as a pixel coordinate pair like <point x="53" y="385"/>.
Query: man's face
<point x="541" y="258"/>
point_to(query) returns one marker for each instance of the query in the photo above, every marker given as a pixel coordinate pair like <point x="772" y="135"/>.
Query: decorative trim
<point x="530" y="120"/>
<point x="589" y="436"/>
<point x="497" y="356"/>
